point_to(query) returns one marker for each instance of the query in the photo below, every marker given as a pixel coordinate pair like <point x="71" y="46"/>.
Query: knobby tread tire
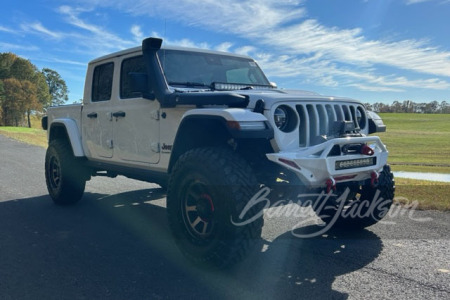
<point x="72" y="177"/>
<point x="228" y="172"/>
<point x="386" y="188"/>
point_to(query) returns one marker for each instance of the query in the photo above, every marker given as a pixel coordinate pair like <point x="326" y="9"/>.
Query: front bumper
<point x="317" y="165"/>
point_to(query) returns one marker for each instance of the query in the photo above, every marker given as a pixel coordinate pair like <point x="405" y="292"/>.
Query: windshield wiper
<point x="191" y="84"/>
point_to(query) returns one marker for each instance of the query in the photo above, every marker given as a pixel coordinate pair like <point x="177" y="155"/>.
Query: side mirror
<point x="375" y="123"/>
<point x="44" y="122"/>
<point x="139" y="85"/>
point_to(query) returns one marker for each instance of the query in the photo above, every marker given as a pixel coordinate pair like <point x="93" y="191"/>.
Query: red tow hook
<point x="374" y="179"/>
<point x="366" y="150"/>
<point x="331" y="185"/>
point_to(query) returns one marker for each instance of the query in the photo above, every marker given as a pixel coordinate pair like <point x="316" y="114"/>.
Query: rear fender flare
<point x="73" y="134"/>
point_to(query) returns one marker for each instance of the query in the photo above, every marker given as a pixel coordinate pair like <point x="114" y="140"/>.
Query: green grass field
<point x="416" y="142"/>
<point x="429" y="194"/>
<point x="32" y="136"/>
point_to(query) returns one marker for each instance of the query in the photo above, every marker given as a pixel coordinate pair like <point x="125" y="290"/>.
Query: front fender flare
<point x="232" y="119"/>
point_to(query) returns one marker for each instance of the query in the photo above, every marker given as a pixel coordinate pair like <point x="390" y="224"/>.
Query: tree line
<point x="408" y="106"/>
<point x="25" y="89"/>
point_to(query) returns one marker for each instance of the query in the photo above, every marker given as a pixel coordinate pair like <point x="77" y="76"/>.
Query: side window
<point x="130" y="65"/>
<point x="102" y="82"/>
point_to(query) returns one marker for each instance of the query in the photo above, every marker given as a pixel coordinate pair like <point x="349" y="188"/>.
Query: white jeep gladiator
<point x="211" y="128"/>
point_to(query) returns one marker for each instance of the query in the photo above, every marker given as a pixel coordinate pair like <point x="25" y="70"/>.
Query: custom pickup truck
<point x="211" y="129"/>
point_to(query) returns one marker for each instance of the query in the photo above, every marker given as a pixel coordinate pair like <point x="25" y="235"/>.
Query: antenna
<point x="164" y="37"/>
<point x="165" y="28"/>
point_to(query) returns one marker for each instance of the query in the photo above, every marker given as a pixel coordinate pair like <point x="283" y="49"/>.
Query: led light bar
<point x="219" y="86"/>
<point x="355" y="163"/>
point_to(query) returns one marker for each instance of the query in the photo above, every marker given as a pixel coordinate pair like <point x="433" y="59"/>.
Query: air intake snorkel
<point x="156" y="80"/>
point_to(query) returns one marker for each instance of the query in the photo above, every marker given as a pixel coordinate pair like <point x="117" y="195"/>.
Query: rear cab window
<point x="102" y="82"/>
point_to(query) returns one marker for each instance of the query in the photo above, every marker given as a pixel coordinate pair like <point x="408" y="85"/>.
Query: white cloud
<point x="225" y="47"/>
<point x="373" y="88"/>
<point x="294" y="45"/>
<point x="409" y="2"/>
<point x="320" y="71"/>
<point x="183" y="42"/>
<point x="73" y="18"/>
<point x="246" y="50"/>
<point x="137" y="33"/>
<point x="95" y="39"/>
<point x="6" y="29"/>
<point x="234" y="16"/>
<point x="37" y="27"/>
<point x="350" y="46"/>
<point x="68" y="62"/>
<point x="221" y="15"/>
<point x="187" y="43"/>
<point x="284" y="24"/>
<point x="6" y="47"/>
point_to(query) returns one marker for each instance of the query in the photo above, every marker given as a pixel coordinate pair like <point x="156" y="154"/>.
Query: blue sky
<point x="372" y="50"/>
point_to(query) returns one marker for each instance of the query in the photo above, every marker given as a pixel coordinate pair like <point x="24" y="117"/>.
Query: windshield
<point x="197" y="69"/>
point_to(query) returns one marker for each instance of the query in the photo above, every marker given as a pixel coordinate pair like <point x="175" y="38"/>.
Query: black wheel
<point x="64" y="174"/>
<point x="364" y="205"/>
<point x="208" y="190"/>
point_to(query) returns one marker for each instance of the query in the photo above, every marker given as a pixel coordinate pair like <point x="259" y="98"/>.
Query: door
<point x="96" y="117"/>
<point x="136" y="131"/>
<point x="135" y="120"/>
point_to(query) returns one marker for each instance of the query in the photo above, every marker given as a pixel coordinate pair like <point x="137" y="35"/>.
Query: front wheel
<point x="361" y="206"/>
<point x="208" y="190"/>
<point x="64" y="174"/>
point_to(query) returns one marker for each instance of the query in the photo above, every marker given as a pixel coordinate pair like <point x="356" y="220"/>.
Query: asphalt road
<point x="115" y="244"/>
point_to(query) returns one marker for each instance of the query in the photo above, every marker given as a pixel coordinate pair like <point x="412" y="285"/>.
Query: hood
<point x="275" y="96"/>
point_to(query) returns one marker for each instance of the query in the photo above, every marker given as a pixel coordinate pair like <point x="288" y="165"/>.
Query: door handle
<point x="119" y="114"/>
<point x="92" y="115"/>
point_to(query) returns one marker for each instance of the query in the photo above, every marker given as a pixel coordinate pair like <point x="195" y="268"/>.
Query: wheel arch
<point x="67" y="129"/>
<point x="199" y="131"/>
<point x="196" y="131"/>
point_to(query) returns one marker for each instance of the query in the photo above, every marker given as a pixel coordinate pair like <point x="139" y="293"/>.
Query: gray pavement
<point x="115" y="244"/>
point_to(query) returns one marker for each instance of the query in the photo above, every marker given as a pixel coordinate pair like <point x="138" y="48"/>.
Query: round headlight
<point x="285" y="118"/>
<point x="280" y="117"/>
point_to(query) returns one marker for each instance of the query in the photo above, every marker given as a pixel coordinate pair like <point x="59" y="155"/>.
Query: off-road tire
<point x="356" y="214"/>
<point x="211" y="187"/>
<point x="64" y="173"/>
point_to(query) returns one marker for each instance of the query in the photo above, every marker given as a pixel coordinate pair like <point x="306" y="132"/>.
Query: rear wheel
<point x="65" y="175"/>
<point x="208" y="190"/>
<point x="361" y="206"/>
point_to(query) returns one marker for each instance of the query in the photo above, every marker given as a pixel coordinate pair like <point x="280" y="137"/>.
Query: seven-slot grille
<point x="321" y="121"/>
